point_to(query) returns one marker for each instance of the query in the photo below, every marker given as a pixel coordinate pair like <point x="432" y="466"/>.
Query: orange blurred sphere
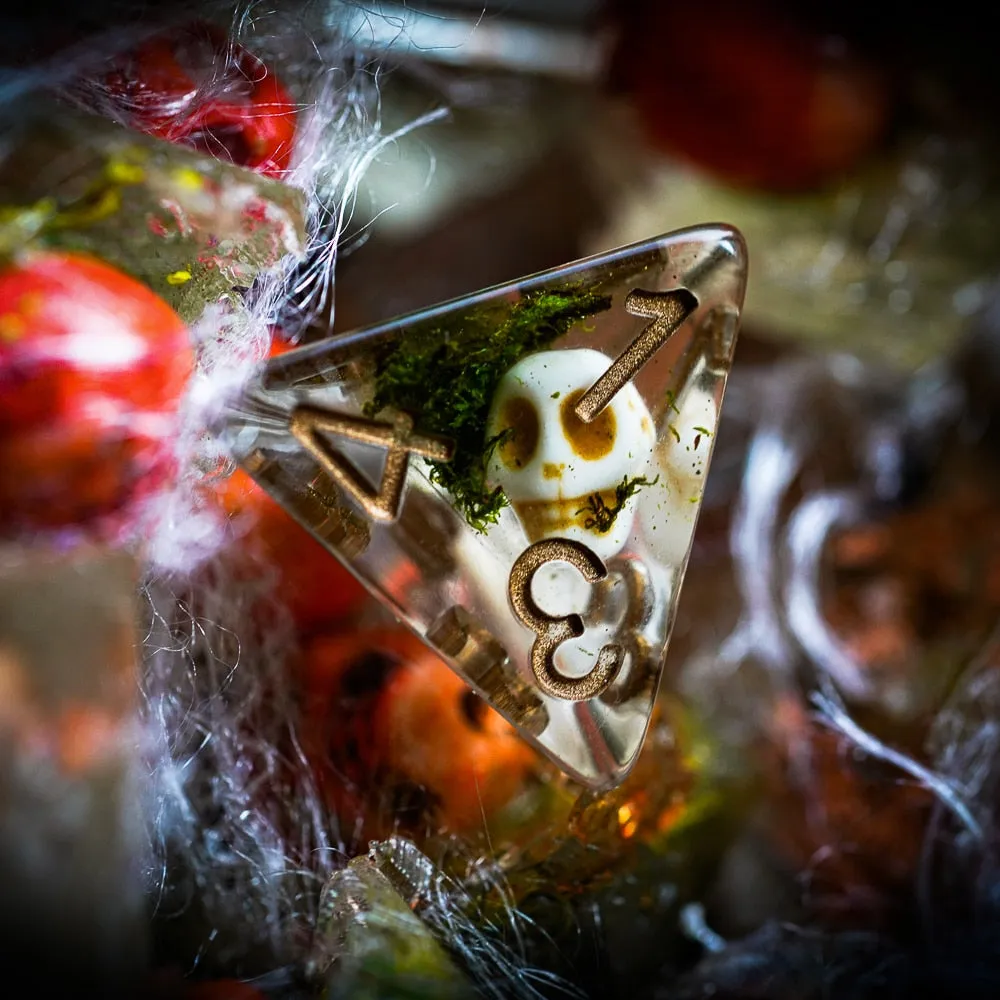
<point x="313" y="585"/>
<point x="386" y="713"/>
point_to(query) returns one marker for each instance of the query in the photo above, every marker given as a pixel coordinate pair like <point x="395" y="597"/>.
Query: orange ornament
<point x="389" y="714"/>
<point x="92" y="364"/>
<point x="314" y="586"/>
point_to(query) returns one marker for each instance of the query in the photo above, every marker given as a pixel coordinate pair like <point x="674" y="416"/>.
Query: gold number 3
<point x="552" y="631"/>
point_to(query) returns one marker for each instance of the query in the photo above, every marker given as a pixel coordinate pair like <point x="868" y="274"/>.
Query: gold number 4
<point x="667" y="310"/>
<point x="551" y="631"/>
<point x="308" y="423"/>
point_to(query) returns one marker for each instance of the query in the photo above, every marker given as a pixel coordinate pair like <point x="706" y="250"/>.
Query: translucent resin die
<point x="517" y="475"/>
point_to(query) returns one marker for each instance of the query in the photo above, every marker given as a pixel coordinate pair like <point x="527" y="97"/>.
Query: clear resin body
<point x="517" y="474"/>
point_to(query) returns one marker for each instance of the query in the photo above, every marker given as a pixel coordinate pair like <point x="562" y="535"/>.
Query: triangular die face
<point x="552" y="437"/>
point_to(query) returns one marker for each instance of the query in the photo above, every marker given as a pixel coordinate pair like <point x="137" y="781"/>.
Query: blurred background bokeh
<point x="849" y="538"/>
<point x="813" y="812"/>
<point x="852" y="147"/>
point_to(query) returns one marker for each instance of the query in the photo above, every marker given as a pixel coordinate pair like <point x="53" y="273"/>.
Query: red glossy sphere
<point x="741" y="91"/>
<point x="195" y="87"/>
<point x="92" y="364"/>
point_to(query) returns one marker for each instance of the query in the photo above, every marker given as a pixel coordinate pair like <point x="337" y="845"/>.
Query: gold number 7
<point x="667" y="310"/>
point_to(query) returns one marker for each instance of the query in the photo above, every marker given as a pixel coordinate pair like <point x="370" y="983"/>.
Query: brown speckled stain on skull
<point x="590" y="441"/>
<point x="545" y="518"/>
<point x="519" y="414"/>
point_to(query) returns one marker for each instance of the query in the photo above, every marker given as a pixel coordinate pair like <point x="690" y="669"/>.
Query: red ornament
<point x="195" y="87"/>
<point x="743" y="92"/>
<point x="92" y="364"/>
<point x="389" y="715"/>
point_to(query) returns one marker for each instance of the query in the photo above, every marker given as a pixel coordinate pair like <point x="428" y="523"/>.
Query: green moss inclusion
<point x="445" y="377"/>
<point x="602" y="517"/>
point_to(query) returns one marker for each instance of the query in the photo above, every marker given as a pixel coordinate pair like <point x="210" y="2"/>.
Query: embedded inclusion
<point x="517" y="476"/>
<point x="574" y="467"/>
<point x="447" y="375"/>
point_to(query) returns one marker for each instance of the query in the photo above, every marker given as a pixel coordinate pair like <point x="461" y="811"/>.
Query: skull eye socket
<point x="590" y="441"/>
<point x="520" y="416"/>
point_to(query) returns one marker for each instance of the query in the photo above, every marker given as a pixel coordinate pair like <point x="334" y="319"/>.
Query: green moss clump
<point x="445" y="377"/>
<point x="602" y="517"/>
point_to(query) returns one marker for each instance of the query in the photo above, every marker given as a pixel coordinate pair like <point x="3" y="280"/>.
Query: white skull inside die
<point x="564" y="477"/>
